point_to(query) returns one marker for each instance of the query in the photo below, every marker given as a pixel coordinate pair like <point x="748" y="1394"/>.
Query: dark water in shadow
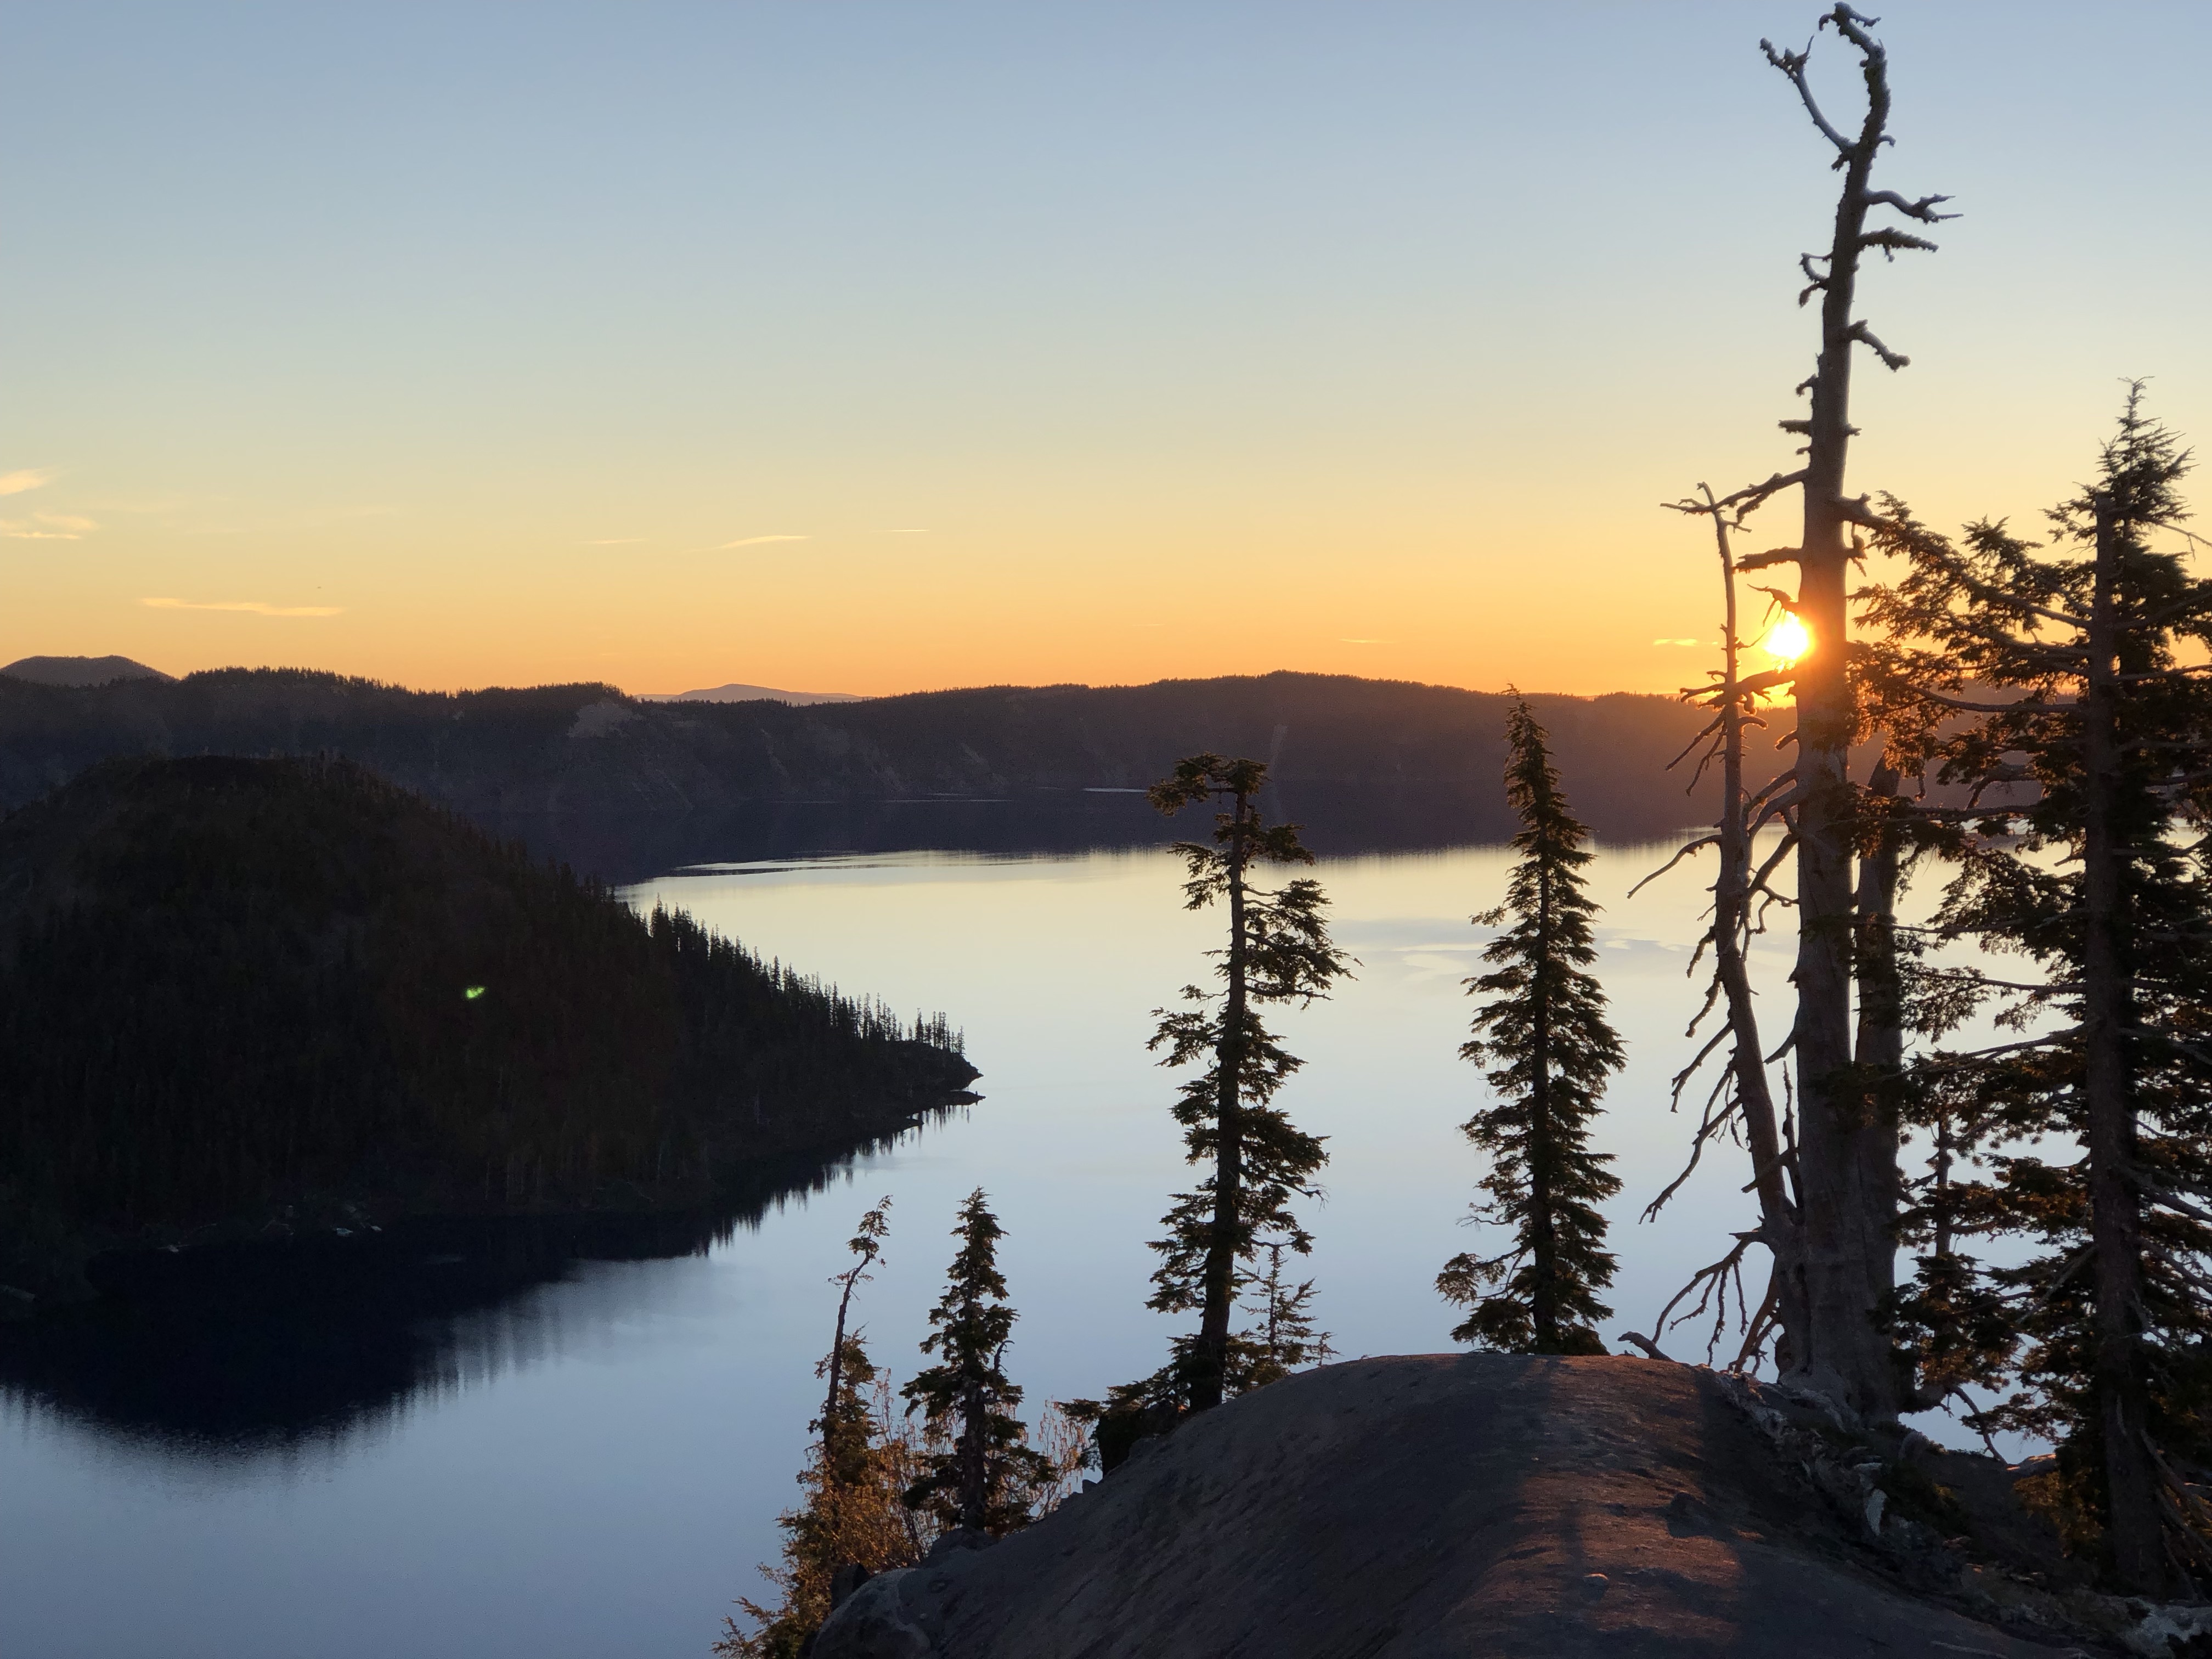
<point x="247" y="1346"/>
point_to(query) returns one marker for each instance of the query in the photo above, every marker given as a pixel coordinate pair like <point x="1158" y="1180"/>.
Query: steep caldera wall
<point x="586" y="748"/>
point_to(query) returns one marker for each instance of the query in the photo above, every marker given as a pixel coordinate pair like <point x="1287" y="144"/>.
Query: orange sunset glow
<point x="522" y="374"/>
<point x="967" y="830"/>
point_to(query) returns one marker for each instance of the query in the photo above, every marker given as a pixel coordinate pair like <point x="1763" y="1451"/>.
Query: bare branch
<point x="1814" y="284"/>
<point x="1970" y="708"/>
<point x="1894" y="242"/>
<point x="1855" y="508"/>
<point x="1792" y="63"/>
<point x="1865" y="337"/>
<point x="1923" y="209"/>
<point x="1687" y="850"/>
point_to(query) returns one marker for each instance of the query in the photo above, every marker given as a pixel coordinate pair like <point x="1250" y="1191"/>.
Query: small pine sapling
<point x="1284" y="1338"/>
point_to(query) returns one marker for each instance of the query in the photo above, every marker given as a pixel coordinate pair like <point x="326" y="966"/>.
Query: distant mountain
<point x="277" y="995"/>
<point x="735" y="693"/>
<point x="81" y="670"/>
<point x="1429" y="756"/>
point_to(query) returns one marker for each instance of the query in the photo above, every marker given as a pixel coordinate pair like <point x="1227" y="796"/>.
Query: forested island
<point x="263" y="997"/>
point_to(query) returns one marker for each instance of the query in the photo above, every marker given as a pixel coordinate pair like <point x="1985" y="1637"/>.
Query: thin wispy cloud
<point x="46" y="527"/>
<point x="1678" y="642"/>
<point x="252" y="607"/>
<point x="756" y="541"/>
<point x="155" y="504"/>
<point x="30" y="477"/>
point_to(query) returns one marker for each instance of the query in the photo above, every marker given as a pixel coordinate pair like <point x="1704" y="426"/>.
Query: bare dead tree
<point x="1741" y="1102"/>
<point x="1846" y="1147"/>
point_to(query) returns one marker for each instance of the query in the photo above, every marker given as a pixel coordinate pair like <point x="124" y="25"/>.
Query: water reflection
<point x="1337" y="821"/>
<point x="248" y="1349"/>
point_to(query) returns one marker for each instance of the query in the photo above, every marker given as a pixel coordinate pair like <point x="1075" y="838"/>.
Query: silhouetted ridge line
<point x="586" y="748"/>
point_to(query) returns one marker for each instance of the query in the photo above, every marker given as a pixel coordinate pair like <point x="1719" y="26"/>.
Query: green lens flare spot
<point x="473" y="992"/>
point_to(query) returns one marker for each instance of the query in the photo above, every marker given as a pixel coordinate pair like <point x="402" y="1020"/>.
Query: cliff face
<point x="1484" y="1504"/>
<point x="586" y="748"/>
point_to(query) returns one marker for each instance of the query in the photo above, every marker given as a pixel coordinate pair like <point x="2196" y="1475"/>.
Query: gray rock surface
<point x="1418" y="1507"/>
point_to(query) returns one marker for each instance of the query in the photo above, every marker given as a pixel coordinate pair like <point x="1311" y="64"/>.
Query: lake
<point x="545" y="1454"/>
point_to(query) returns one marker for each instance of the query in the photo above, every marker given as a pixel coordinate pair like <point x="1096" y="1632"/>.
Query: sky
<point x="875" y="348"/>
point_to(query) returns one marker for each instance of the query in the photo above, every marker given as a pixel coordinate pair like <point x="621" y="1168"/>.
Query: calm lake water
<point x="591" y="1465"/>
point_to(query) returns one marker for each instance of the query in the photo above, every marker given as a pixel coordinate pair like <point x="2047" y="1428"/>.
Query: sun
<point x="1787" y="639"/>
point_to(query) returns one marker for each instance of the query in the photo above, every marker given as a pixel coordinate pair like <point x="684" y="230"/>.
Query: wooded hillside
<point x="237" y="991"/>
<point x="588" y="748"/>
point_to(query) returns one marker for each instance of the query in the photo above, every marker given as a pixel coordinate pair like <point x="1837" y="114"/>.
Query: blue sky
<point x="478" y="344"/>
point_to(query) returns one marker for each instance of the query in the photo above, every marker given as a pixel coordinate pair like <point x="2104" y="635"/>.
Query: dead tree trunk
<point x="1847" y="1154"/>
<point x="1744" y="1095"/>
<point x="1781" y="1226"/>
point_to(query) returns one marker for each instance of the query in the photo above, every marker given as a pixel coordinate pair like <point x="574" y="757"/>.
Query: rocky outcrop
<point x="1479" y="1505"/>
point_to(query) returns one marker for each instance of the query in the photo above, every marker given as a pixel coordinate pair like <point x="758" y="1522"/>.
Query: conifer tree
<point x="1278" y="950"/>
<point x="1542" y="1034"/>
<point x="1284" y="1338"/>
<point x="867" y="1243"/>
<point x="858" y="1468"/>
<point x="2064" y="687"/>
<point x="987" y="1479"/>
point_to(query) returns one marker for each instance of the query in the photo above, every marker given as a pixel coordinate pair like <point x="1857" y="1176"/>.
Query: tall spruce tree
<point x="1277" y="950"/>
<point x="2063" y="686"/>
<point x="988" y="1479"/>
<point x="1542" y="1033"/>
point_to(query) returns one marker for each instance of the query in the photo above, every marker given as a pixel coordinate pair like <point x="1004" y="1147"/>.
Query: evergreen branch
<point x="2203" y="1056"/>
<point x="1951" y="1062"/>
